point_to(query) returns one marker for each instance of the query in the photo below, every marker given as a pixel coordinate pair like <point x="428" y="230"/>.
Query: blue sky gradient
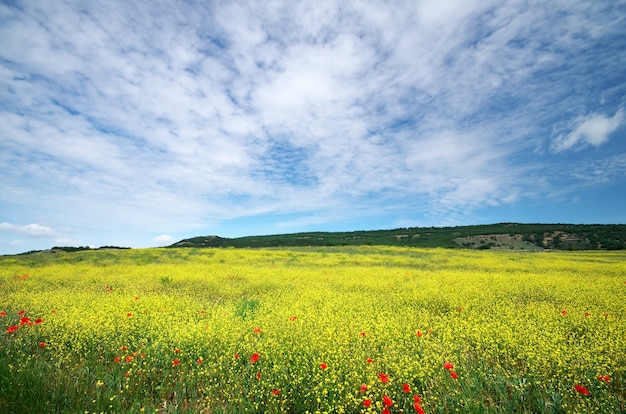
<point x="139" y="124"/>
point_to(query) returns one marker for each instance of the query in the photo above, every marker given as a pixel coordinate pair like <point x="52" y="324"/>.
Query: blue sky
<point x="141" y="123"/>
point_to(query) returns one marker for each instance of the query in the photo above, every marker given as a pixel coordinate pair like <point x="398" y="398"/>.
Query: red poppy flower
<point x="581" y="389"/>
<point x="258" y="376"/>
<point x="236" y="356"/>
<point x="460" y="309"/>
<point x="116" y="359"/>
<point x="383" y="377"/>
<point x="129" y="358"/>
<point x="24" y="321"/>
<point x="367" y="403"/>
<point x="604" y="378"/>
<point x="418" y="408"/>
<point x="386" y="411"/>
<point x="275" y="392"/>
<point x="587" y="314"/>
<point x="54" y="311"/>
<point x="123" y="348"/>
<point x="417" y="399"/>
<point x="12" y="329"/>
<point x="20" y="313"/>
<point x="362" y="333"/>
<point x="199" y="360"/>
<point x="3" y="314"/>
<point x="323" y="365"/>
<point x="406" y="388"/>
<point x="448" y="366"/>
<point x="257" y="331"/>
<point x="42" y="344"/>
<point x="292" y="318"/>
<point x="136" y="298"/>
<point x="419" y="334"/>
<point x="563" y="312"/>
<point x="363" y="388"/>
<point x="369" y="360"/>
<point x="129" y="314"/>
<point x="387" y="401"/>
<point x="38" y="321"/>
<point x="254" y="358"/>
<point x="177" y="351"/>
<point x="175" y="362"/>
<point x="127" y="374"/>
<point x="454" y="375"/>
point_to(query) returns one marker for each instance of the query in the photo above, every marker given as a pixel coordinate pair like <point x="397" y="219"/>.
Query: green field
<point x="324" y="329"/>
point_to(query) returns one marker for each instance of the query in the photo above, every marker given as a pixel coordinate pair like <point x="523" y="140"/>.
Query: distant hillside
<point x="509" y="236"/>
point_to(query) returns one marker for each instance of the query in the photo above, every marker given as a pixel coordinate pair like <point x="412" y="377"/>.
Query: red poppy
<point x="418" y="408"/>
<point x="24" y="321"/>
<point x="127" y="374"/>
<point x="129" y="358"/>
<point x="563" y="312"/>
<point x="136" y="298"/>
<point x="387" y="401"/>
<point x="177" y="351"/>
<point x="460" y="309"/>
<point x="20" y="313"/>
<point x="258" y="376"/>
<point x="275" y="392"/>
<point x="199" y="360"/>
<point x="175" y="362"/>
<point x="581" y="389"/>
<point x="12" y="329"/>
<point x="417" y="399"/>
<point x="367" y="403"/>
<point x="604" y="378"/>
<point x="383" y="377"/>
<point x="587" y="314"/>
<point x="123" y="348"/>
<point x="257" y="331"/>
<point x="406" y="388"/>
<point x="386" y="411"/>
<point x="292" y="318"/>
<point x="129" y="314"/>
<point x="116" y="359"/>
<point x="369" y="360"/>
<point x="54" y="311"/>
<point x="448" y="366"/>
<point x="254" y="358"/>
<point x="454" y="375"/>
<point x="363" y="388"/>
<point x="3" y="314"/>
<point x="42" y="344"/>
<point x="362" y="333"/>
<point x="323" y="365"/>
<point x="236" y="356"/>
<point x="419" y="334"/>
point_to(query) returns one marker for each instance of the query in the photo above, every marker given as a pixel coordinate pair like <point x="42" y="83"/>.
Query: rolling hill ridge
<point x="503" y="236"/>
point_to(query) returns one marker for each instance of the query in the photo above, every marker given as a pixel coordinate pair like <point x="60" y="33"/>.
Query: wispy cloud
<point x="592" y="130"/>
<point x="161" y="117"/>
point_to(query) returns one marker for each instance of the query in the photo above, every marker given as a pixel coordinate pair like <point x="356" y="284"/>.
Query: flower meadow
<point x="308" y="330"/>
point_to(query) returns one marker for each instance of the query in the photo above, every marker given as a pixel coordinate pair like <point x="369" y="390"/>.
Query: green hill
<point x="509" y="236"/>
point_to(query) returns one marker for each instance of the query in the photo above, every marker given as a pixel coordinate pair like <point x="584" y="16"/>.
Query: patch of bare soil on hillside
<point x="497" y="242"/>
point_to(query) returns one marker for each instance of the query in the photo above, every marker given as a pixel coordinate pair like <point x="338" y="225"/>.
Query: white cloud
<point x="163" y="240"/>
<point x="592" y="130"/>
<point x="32" y="230"/>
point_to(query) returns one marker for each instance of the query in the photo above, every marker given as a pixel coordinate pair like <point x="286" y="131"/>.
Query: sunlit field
<point x="337" y="330"/>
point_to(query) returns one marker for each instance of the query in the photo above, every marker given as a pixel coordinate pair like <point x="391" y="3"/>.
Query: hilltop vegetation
<point x="509" y="236"/>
